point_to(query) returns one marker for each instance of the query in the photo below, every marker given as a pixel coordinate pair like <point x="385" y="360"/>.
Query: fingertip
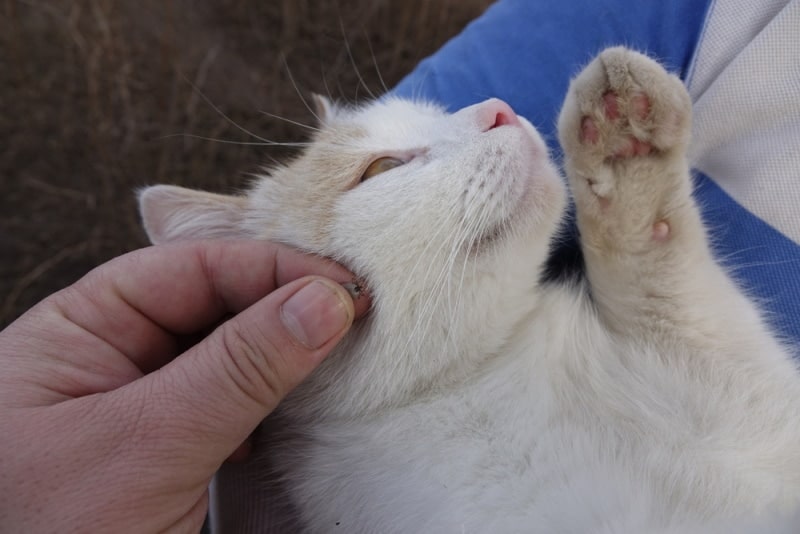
<point x="318" y="312"/>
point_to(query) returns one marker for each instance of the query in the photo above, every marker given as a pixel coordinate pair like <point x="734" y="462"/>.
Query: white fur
<point x="474" y="398"/>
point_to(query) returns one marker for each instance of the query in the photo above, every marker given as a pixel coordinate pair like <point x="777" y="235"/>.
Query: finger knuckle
<point x="252" y="363"/>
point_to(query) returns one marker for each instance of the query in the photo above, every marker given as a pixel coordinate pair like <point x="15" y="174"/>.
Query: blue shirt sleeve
<point x="526" y="51"/>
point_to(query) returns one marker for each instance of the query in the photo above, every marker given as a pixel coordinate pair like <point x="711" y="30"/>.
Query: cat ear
<point x="323" y="107"/>
<point x="171" y="213"/>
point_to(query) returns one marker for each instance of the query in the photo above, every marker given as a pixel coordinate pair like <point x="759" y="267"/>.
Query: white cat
<point x="476" y="398"/>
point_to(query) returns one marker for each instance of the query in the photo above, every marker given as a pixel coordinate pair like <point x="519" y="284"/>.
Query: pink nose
<point x="493" y="113"/>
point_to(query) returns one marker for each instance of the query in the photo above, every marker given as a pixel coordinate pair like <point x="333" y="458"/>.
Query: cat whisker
<point x="424" y="255"/>
<point x="325" y="82"/>
<point x="441" y="283"/>
<point x="425" y="310"/>
<point x="263" y="142"/>
<point x="464" y="231"/>
<point x="421" y="315"/>
<point x="222" y="114"/>
<point x="417" y="90"/>
<point x="454" y="307"/>
<point x="467" y="233"/>
<point x="290" y="121"/>
<point x="297" y="89"/>
<point x="424" y="323"/>
<point x="465" y="244"/>
<point x="353" y="62"/>
<point x="742" y="266"/>
<point x="375" y="62"/>
<point x="200" y="78"/>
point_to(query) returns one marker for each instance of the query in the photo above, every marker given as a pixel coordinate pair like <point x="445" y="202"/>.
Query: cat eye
<point x="381" y="165"/>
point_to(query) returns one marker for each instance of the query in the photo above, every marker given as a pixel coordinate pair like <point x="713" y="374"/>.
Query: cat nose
<point x="494" y="113"/>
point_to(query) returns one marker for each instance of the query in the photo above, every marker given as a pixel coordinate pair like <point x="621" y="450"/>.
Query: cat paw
<point x="625" y="129"/>
<point x="623" y="108"/>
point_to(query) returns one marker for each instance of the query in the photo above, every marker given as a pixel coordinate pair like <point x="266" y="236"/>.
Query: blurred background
<point x="100" y="97"/>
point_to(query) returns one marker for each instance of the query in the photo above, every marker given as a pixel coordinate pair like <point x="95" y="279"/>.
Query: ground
<point x="96" y="96"/>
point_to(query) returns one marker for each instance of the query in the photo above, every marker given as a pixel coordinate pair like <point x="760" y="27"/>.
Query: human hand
<point x="103" y="428"/>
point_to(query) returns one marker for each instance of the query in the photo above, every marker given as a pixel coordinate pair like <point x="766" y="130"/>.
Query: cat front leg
<point x="625" y="128"/>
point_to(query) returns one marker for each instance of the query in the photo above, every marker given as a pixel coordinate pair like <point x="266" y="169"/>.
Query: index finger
<point x="138" y="302"/>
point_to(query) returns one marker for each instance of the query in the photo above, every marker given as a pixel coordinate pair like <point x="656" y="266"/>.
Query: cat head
<point x="446" y="217"/>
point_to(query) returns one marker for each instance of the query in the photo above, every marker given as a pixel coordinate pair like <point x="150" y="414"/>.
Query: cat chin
<point x="537" y="195"/>
<point x="545" y="186"/>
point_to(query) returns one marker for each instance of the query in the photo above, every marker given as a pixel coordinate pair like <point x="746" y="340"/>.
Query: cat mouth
<point x="489" y="237"/>
<point x="514" y="214"/>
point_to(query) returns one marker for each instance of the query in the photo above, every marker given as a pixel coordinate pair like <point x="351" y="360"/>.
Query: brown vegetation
<point x="96" y="96"/>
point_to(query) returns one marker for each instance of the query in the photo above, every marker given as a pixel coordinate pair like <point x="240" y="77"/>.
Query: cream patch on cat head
<point x="295" y="203"/>
<point x="469" y="169"/>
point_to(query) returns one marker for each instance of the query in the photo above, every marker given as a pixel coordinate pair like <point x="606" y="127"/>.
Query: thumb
<point x="213" y="396"/>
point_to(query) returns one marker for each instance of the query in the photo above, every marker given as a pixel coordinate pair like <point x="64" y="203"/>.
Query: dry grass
<point x="92" y="93"/>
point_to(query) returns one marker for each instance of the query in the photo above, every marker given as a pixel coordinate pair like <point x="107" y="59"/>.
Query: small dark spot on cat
<point x="354" y="289"/>
<point x="357" y="288"/>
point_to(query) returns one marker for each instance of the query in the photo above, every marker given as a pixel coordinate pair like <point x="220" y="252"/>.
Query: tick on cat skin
<point x="355" y="289"/>
<point x="650" y="396"/>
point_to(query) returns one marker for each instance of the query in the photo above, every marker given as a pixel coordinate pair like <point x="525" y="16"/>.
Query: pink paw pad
<point x="611" y="105"/>
<point x="638" y="107"/>
<point x="632" y="147"/>
<point x="589" y="132"/>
